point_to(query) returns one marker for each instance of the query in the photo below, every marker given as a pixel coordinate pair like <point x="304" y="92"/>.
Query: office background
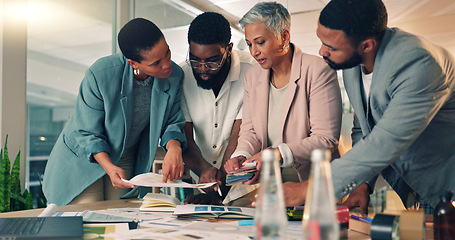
<point x="46" y="46"/>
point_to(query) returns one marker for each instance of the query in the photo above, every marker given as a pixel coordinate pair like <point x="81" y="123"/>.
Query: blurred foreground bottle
<point x="444" y="217"/>
<point x="319" y="216"/>
<point x="270" y="219"/>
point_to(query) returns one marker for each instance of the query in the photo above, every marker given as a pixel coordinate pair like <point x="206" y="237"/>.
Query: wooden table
<point x="122" y="203"/>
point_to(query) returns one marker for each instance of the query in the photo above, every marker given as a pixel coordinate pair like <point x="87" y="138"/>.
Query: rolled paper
<point x="49" y="210"/>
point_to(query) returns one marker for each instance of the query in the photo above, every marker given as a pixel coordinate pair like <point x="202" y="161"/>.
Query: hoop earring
<point x="136" y="71"/>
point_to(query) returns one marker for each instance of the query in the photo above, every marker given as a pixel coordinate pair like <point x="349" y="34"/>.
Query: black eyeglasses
<point x="209" y="65"/>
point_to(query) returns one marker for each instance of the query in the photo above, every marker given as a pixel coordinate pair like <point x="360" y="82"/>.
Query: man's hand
<point x="210" y="198"/>
<point x="173" y="161"/>
<point x="295" y="193"/>
<point x="360" y="197"/>
<point x="210" y="175"/>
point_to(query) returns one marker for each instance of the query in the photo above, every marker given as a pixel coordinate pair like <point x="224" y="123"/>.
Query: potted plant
<point x="11" y="198"/>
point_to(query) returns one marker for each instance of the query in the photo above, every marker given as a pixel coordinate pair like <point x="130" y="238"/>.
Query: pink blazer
<point x="311" y="113"/>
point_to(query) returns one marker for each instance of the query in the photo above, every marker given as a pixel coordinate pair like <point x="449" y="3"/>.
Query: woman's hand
<point x="257" y="159"/>
<point x="116" y="174"/>
<point x="173" y="162"/>
<point x="234" y="163"/>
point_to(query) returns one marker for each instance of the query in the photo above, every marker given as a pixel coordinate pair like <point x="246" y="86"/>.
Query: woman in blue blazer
<point x="128" y="104"/>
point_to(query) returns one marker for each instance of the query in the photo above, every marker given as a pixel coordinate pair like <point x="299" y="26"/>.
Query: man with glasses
<point x="212" y="101"/>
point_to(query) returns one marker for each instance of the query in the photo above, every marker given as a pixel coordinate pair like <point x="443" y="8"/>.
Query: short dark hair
<point x="138" y="35"/>
<point x="210" y="28"/>
<point x="358" y="19"/>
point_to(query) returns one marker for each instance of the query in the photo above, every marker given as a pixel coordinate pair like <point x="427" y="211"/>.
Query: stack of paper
<point x="242" y="174"/>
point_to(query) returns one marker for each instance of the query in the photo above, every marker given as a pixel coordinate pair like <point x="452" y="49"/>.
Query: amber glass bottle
<point x="444" y="217"/>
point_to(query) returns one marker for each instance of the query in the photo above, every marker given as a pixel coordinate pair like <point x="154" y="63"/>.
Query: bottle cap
<point x="319" y="154"/>
<point x="268" y="155"/>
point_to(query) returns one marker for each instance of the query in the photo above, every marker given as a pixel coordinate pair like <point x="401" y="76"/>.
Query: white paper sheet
<point x="156" y="180"/>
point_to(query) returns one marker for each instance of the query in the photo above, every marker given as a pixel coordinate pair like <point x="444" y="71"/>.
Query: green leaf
<point x="28" y="200"/>
<point x="5" y="179"/>
<point x="2" y="180"/>
<point x="15" y="172"/>
<point x="7" y="190"/>
<point x="41" y="203"/>
<point x="11" y="198"/>
<point x="17" y="202"/>
<point x="15" y="180"/>
<point x="40" y="198"/>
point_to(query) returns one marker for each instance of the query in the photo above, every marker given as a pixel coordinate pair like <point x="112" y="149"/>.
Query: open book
<point x="156" y="202"/>
<point x="214" y="211"/>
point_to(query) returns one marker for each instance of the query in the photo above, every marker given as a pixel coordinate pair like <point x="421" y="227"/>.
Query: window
<point x="64" y="37"/>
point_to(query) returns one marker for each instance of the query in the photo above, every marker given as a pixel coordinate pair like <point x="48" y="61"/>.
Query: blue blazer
<point x="102" y="121"/>
<point x="406" y="128"/>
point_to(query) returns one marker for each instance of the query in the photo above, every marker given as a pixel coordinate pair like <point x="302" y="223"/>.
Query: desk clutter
<point x="185" y="223"/>
<point x="129" y="222"/>
<point x="408" y="225"/>
<point x="405" y="225"/>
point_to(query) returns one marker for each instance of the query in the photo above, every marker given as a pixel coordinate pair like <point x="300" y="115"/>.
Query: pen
<point x="361" y="219"/>
<point x="219" y="191"/>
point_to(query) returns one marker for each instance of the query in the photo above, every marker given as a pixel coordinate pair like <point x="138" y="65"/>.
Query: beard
<point x="215" y="79"/>
<point x="353" y="61"/>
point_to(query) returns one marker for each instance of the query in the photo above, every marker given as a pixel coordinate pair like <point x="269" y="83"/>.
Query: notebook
<point x="41" y="228"/>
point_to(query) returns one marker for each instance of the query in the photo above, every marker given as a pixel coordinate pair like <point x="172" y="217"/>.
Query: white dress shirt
<point x="213" y="118"/>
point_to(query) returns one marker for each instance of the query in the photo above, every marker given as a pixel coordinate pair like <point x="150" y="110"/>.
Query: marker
<point x="249" y="164"/>
<point x="361" y="219"/>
